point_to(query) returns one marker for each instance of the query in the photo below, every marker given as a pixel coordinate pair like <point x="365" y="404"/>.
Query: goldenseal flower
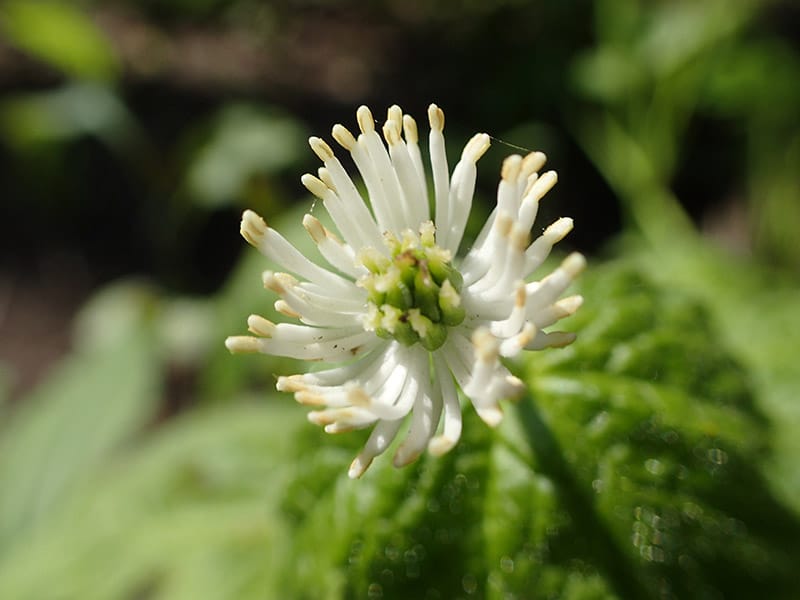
<point x="407" y="320"/>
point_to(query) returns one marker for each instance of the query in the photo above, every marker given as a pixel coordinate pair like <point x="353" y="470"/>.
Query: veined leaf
<point x="629" y="471"/>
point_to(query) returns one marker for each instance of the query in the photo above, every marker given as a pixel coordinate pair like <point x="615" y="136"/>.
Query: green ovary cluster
<point x="414" y="295"/>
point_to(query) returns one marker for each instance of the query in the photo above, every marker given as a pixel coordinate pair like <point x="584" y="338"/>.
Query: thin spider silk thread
<point x="509" y="144"/>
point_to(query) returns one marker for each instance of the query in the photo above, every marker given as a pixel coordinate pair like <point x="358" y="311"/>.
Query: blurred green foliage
<point x="61" y="35"/>
<point x="624" y="474"/>
<point x="244" y="143"/>
<point x="66" y="114"/>
<point x="655" y="458"/>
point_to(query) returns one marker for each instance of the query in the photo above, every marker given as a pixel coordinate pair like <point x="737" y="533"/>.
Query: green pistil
<point x="414" y="295"/>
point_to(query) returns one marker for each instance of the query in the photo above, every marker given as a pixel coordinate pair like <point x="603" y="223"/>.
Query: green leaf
<point x="245" y="142"/>
<point x="662" y="438"/>
<point x="680" y="32"/>
<point x="60" y="115"/>
<point x="755" y="311"/>
<point x="93" y="401"/>
<point x="61" y="35"/>
<point x="608" y="74"/>
<point x="191" y="514"/>
<point x="630" y="471"/>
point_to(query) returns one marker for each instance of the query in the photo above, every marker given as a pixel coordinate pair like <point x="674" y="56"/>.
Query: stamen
<point x="532" y="163"/>
<point x="253" y="228"/>
<point x="395" y="114"/>
<point x="436" y="118"/>
<point x="410" y="130"/>
<point x="540" y="249"/>
<point x="326" y="178"/>
<point x="476" y="147"/>
<point x="391" y="132"/>
<point x="343" y="136"/>
<point x="243" y="344"/>
<point x="366" y="122"/>
<point x="315" y="186"/>
<point x="320" y="148"/>
<point x="260" y="326"/>
<point x="511" y="168"/>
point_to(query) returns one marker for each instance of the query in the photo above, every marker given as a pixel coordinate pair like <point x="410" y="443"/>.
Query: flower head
<point x="409" y="322"/>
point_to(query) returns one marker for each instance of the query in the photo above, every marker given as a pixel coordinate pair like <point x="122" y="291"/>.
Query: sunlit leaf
<point x="609" y="74"/>
<point x="679" y="32"/>
<point x="622" y="475"/>
<point x="192" y="514"/>
<point x="60" y="34"/>
<point x="63" y="114"/>
<point x="756" y="313"/>
<point x="629" y="471"/>
<point x="245" y="142"/>
<point x="92" y="402"/>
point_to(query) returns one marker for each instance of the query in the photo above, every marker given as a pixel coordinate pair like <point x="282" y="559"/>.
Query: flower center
<point x="413" y="295"/>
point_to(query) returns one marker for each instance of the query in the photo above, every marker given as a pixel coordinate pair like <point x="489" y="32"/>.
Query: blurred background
<point x="134" y="133"/>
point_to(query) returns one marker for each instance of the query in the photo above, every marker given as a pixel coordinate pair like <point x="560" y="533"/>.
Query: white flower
<point x="408" y="322"/>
